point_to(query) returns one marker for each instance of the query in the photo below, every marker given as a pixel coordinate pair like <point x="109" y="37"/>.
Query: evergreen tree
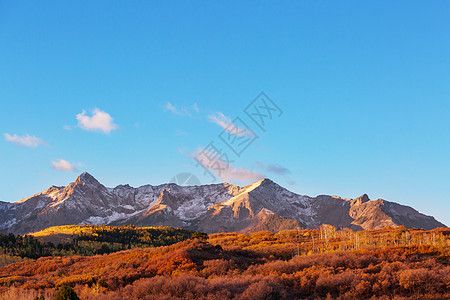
<point x="66" y="293"/>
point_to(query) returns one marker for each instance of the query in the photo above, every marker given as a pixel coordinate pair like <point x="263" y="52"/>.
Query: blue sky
<point x="132" y="92"/>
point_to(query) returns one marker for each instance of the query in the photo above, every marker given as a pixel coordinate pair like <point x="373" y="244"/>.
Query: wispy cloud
<point x="195" y="107"/>
<point x="182" y="111"/>
<point x="274" y="168"/>
<point x="63" y="165"/>
<point x="27" y="140"/>
<point x="100" y="121"/>
<point x="211" y="161"/>
<point x="178" y="111"/>
<point x="226" y="123"/>
<point x="278" y="170"/>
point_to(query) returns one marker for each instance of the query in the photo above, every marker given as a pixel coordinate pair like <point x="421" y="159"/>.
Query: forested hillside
<point x="88" y="240"/>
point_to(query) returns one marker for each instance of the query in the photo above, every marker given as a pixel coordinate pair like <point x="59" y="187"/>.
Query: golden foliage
<point x="320" y="263"/>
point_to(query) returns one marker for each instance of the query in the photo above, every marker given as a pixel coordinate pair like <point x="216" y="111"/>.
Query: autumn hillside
<point x="87" y="240"/>
<point x="155" y="236"/>
<point x="394" y="262"/>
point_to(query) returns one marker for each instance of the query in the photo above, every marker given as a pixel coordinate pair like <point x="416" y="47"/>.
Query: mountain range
<point x="263" y="205"/>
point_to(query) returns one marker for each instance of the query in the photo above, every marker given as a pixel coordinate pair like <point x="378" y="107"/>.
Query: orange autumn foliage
<point x="393" y="262"/>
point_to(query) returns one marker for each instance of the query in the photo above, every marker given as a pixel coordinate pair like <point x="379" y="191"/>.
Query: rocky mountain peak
<point x="86" y="178"/>
<point x="266" y="181"/>
<point x="263" y="183"/>
<point x="360" y="200"/>
<point x="210" y="208"/>
<point x="166" y="198"/>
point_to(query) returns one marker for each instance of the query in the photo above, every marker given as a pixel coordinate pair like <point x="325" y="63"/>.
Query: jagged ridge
<point x="210" y="208"/>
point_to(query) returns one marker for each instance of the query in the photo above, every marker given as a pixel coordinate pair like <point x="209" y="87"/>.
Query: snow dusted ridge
<point x="211" y="208"/>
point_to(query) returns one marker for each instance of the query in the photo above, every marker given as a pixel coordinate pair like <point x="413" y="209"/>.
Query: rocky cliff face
<point x="263" y="205"/>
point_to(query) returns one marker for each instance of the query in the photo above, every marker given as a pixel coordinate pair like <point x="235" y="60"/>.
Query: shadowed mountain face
<point x="263" y="205"/>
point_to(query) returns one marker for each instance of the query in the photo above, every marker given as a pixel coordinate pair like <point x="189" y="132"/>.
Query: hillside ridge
<point x="209" y="208"/>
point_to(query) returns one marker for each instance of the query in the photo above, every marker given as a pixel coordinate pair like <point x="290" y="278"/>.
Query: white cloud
<point x="178" y="111"/>
<point x="195" y="107"/>
<point x="181" y="111"/>
<point x="226" y="123"/>
<point x="211" y="161"/>
<point x="171" y="108"/>
<point x="67" y="127"/>
<point x="25" y="141"/>
<point x="100" y="121"/>
<point x="63" y="165"/>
